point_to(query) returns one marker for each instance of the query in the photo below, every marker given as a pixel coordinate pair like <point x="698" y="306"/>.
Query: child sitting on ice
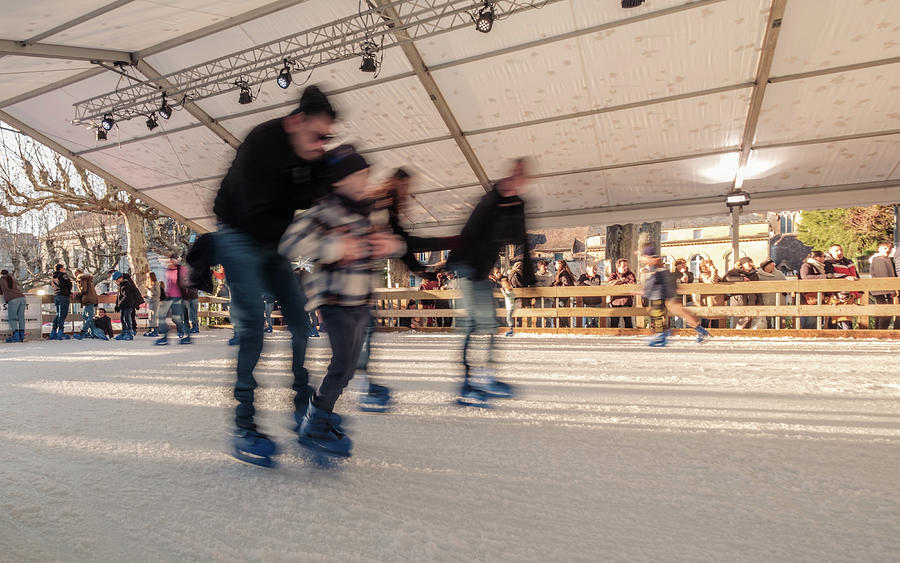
<point x="336" y="234"/>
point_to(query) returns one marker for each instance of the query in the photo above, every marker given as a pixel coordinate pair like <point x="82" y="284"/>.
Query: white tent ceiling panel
<point x="23" y="20"/>
<point x="307" y="14"/>
<point x="559" y="193"/>
<point x="820" y="34"/>
<point x="142" y="23"/>
<point x="200" y="50"/>
<point x="240" y="127"/>
<point x="452" y="205"/>
<point x="843" y="162"/>
<point x="388" y="114"/>
<point x="690" y="51"/>
<point x="665" y="182"/>
<point x="689" y="126"/>
<point x="209" y="223"/>
<point x="195" y="153"/>
<point x="555" y="146"/>
<point x="521" y="86"/>
<point x="438" y="164"/>
<point x="23" y="74"/>
<point x="551" y="20"/>
<point x="190" y="201"/>
<point x="831" y="105"/>
<point x="415" y="213"/>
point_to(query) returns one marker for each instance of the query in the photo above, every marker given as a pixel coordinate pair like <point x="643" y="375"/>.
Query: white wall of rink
<point x="736" y="450"/>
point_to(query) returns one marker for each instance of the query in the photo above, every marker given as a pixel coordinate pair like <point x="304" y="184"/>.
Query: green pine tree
<point x="857" y="229"/>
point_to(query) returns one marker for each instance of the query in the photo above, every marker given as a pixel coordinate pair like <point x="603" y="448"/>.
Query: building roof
<point x="645" y="112"/>
<point x="84" y="221"/>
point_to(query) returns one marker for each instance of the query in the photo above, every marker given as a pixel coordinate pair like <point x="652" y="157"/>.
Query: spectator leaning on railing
<point x="564" y="278"/>
<point x="543" y="278"/>
<point x="768" y="272"/>
<point x="709" y="274"/>
<point x="744" y="272"/>
<point x="591" y="277"/>
<point x="812" y="269"/>
<point x="881" y="266"/>
<point x="621" y="276"/>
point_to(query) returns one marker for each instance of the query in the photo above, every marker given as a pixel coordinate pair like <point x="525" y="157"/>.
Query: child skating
<point x="659" y="290"/>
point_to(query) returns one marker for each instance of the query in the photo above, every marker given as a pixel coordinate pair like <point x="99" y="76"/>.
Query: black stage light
<point x="246" y="96"/>
<point x="152" y="123"/>
<point x="165" y="110"/>
<point x="485" y="21"/>
<point x="101" y="134"/>
<point x="107" y="122"/>
<point x="368" y="63"/>
<point x="284" y="77"/>
<point x="631" y="3"/>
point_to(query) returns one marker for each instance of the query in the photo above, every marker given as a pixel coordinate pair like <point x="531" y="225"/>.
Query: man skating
<point x="659" y="290"/>
<point x="277" y="170"/>
<point x="498" y="220"/>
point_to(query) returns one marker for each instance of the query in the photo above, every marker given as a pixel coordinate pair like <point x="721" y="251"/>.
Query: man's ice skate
<point x="702" y="334"/>
<point x="253" y="447"/>
<point x="376" y="398"/>
<point x="321" y="433"/>
<point x="488" y="382"/>
<point x="658" y="340"/>
<point x="164" y="341"/>
<point x="473" y="395"/>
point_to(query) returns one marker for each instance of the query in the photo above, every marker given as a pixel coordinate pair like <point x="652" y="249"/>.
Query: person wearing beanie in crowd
<point x="497" y="220"/>
<point x="89" y="300"/>
<point x="336" y="235"/>
<point x="15" y="306"/>
<point x="659" y="290"/>
<point x="278" y="169"/>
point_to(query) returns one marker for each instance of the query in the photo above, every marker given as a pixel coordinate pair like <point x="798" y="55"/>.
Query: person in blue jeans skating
<point x="62" y="293"/>
<point x="278" y="169"/>
<point x="498" y="220"/>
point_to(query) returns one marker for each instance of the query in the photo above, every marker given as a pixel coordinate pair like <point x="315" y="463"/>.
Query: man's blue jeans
<point x="62" y="311"/>
<point x="481" y="312"/>
<point x="253" y="269"/>
<point x="88" y="315"/>
<point x="175" y="308"/>
<point x="15" y="310"/>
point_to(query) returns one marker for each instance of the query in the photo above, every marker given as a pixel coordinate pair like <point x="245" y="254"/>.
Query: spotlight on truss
<point x="165" y="110"/>
<point x="369" y="60"/>
<point x="101" y="134"/>
<point x="284" y="77"/>
<point x="246" y="96"/>
<point x="107" y="122"/>
<point x="485" y="21"/>
<point x="631" y="3"/>
<point x="152" y="123"/>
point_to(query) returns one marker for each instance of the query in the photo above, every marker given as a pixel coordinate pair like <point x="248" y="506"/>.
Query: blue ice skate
<point x="253" y="447"/>
<point x="185" y="340"/>
<point x="658" y="340"/>
<point x="320" y="434"/>
<point x="702" y="334"/>
<point x="152" y="332"/>
<point x="234" y="340"/>
<point x="164" y="341"/>
<point x="377" y="399"/>
<point x="473" y="395"/>
<point x="491" y="385"/>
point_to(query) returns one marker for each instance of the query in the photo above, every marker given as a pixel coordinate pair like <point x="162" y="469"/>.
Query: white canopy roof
<point x="631" y="115"/>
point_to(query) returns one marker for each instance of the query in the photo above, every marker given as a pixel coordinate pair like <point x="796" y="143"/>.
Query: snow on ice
<point x="736" y="450"/>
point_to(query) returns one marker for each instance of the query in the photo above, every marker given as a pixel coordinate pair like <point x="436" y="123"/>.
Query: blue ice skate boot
<point x="253" y="447"/>
<point x="52" y="335"/>
<point x="488" y="382"/>
<point x="195" y="330"/>
<point x="658" y="340"/>
<point x="473" y="395"/>
<point x="234" y="340"/>
<point x="81" y="336"/>
<point x="121" y="336"/>
<point x="376" y="399"/>
<point x="14" y="337"/>
<point x="164" y="341"/>
<point x="702" y="334"/>
<point x="509" y="333"/>
<point x="128" y="336"/>
<point x="186" y="340"/>
<point x="320" y="434"/>
<point x="63" y="336"/>
<point x="152" y="332"/>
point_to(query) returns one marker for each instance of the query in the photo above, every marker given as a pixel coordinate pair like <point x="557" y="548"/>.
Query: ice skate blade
<point x="254" y="460"/>
<point x="315" y="447"/>
<point x="474" y="403"/>
<point x="374" y="408"/>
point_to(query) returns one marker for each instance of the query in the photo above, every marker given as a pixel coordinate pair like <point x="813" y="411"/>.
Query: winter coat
<point x="882" y="267"/>
<point x="808" y="271"/>
<point x="739" y="275"/>
<point x="659" y="285"/>
<point x="769" y="298"/>
<point x="9" y="289"/>
<point x="597" y="280"/>
<point x="715" y="300"/>
<point x="152" y="294"/>
<point x="515" y="278"/>
<point x="62" y="284"/>
<point x="105" y="325"/>
<point x="86" y="295"/>
<point x="842" y="268"/>
<point x="129" y="297"/>
<point x="676" y="276"/>
<point x="564" y="278"/>
<point x="628" y="278"/>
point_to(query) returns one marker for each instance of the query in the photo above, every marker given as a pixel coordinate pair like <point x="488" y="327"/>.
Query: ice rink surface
<point x="735" y="450"/>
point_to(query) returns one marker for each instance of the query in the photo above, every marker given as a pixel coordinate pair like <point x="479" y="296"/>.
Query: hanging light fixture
<point x="107" y="122"/>
<point x="369" y="60"/>
<point x="101" y="134"/>
<point x="246" y="96"/>
<point x="165" y="110"/>
<point x="485" y="21"/>
<point x="284" y="77"/>
<point x="152" y="123"/>
<point x="631" y="3"/>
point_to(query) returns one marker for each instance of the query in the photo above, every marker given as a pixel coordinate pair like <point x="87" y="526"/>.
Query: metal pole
<point x="735" y="236"/>
<point x="896" y="225"/>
